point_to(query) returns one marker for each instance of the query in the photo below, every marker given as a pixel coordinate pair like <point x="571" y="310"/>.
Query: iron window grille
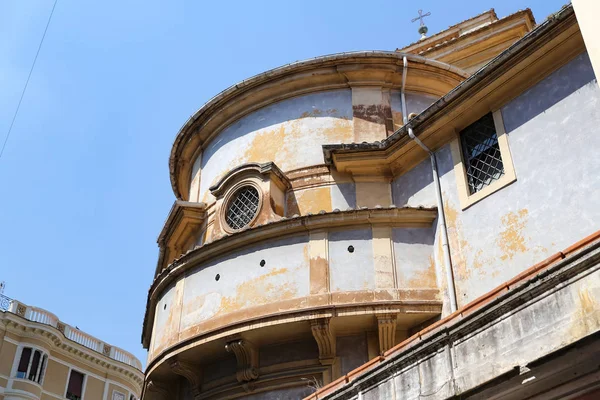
<point x="242" y="207"/>
<point x="481" y="152"/>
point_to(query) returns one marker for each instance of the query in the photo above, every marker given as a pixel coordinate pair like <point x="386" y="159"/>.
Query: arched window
<point x="32" y="365"/>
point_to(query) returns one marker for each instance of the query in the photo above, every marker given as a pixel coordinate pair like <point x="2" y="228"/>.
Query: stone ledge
<point x="245" y="320"/>
<point x="392" y="216"/>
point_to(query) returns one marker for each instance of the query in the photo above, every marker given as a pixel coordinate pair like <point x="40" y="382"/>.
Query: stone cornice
<point x="539" y="53"/>
<point x="451" y="36"/>
<point x="268" y="168"/>
<point x="432" y="40"/>
<point x="337" y="71"/>
<point x="56" y="339"/>
<point x="398" y="217"/>
<point x="179" y="211"/>
<point x="376" y="302"/>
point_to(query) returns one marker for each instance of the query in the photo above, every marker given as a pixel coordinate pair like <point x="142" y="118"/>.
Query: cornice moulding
<point x="338" y="71"/>
<point x="266" y="169"/>
<point x="56" y="341"/>
<point x="542" y="51"/>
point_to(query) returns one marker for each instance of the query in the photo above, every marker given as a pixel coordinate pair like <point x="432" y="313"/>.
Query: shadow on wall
<point x="548" y="92"/>
<point x="415" y="187"/>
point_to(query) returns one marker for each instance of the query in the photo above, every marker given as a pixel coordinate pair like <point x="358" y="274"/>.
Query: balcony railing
<point x="42" y="316"/>
<point x="4" y="302"/>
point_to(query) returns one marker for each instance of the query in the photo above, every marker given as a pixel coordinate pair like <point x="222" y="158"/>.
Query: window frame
<point x="230" y="196"/>
<point x="83" y="383"/>
<point x="40" y="373"/>
<point x="465" y="197"/>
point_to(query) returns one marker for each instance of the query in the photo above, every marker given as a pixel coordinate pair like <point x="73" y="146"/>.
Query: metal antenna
<point x="422" y="27"/>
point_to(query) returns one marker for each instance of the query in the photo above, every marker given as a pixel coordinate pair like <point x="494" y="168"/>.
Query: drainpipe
<point x="438" y="194"/>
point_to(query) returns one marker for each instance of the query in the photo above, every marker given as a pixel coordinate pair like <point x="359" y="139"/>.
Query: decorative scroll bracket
<point x="159" y="389"/>
<point x="386" y="326"/>
<point x="246" y="355"/>
<point x="192" y="373"/>
<point x="325" y="338"/>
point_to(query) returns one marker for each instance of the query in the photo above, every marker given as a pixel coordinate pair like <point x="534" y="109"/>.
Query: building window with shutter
<point x="32" y="365"/>
<point x="24" y="363"/>
<point x="75" y="386"/>
<point x="482" y="160"/>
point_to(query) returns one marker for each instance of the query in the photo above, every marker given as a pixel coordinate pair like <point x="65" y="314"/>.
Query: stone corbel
<point x="386" y="326"/>
<point x="158" y="390"/>
<point x="246" y="355"/>
<point x="185" y="220"/>
<point x="192" y="373"/>
<point x="325" y="338"/>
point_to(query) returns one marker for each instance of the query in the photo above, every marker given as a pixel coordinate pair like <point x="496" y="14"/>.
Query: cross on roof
<point x="421" y="16"/>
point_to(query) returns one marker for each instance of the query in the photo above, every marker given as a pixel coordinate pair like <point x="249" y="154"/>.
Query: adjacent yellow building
<point x="42" y="358"/>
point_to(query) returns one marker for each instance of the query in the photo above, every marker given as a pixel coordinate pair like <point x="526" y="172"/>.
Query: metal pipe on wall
<point x="438" y="193"/>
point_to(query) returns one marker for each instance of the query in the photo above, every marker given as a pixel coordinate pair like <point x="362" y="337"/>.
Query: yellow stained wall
<point x="28" y="387"/>
<point x="6" y="357"/>
<point x="94" y="389"/>
<point x="55" y="380"/>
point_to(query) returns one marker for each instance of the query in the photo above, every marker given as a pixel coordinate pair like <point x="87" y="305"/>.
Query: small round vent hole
<point x="351" y="249"/>
<point x="217" y="277"/>
<point x="262" y="263"/>
<point x="165" y="306"/>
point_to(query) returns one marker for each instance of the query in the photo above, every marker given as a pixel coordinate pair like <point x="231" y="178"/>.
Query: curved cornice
<point x="337" y="71"/>
<point x="258" y="168"/>
<point x="53" y="337"/>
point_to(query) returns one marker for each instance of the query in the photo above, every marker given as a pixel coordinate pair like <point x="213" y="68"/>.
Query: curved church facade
<point x="310" y="233"/>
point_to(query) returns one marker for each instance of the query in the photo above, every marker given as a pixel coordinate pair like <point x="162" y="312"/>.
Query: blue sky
<point x="84" y="176"/>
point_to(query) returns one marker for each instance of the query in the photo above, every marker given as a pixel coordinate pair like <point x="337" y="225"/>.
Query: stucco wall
<point x="56" y="377"/>
<point x="351" y="271"/>
<point x="94" y="389"/>
<point x="290" y="133"/>
<point x="415" y="103"/>
<point x="7" y="356"/>
<point x="352" y="352"/>
<point x="244" y="283"/>
<point x="553" y="139"/>
<point x="288" y="352"/>
<point x="534" y="325"/>
<point x="292" y="278"/>
<point x="413" y="251"/>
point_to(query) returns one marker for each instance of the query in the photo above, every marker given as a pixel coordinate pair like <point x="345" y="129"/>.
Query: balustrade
<point x="42" y="316"/>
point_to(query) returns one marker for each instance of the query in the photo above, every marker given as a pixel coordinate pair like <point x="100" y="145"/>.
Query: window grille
<point x="481" y="152"/>
<point x="242" y="207"/>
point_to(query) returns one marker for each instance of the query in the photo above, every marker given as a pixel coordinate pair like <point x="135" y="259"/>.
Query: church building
<point x="412" y="224"/>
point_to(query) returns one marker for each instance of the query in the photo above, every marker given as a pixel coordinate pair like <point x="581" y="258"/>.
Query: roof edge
<point x="215" y="104"/>
<point x="456" y="93"/>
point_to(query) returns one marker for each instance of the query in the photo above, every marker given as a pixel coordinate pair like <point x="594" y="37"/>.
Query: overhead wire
<point x="27" y="81"/>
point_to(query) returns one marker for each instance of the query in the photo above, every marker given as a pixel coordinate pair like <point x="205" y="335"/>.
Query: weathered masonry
<point x="329" y="210"/>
